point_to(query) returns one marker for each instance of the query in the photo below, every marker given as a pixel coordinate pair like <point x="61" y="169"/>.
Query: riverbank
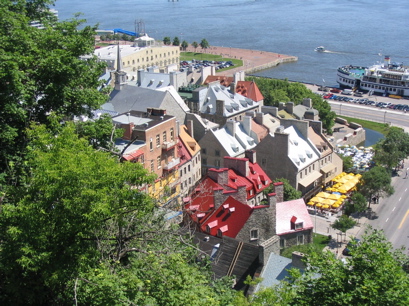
<point x="253" y="60"/>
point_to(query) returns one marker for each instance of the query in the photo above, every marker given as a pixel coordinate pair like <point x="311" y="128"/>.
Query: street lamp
<point x="384" y="117"/>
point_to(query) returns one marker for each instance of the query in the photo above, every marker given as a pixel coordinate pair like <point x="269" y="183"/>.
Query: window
<point x="217" y="152"/>
<point x="171" y="134"/>
<point x="217" y="163"/>
<point x="151" y="144"/>
<point x="300" y="239"/>
<point x="204" y="161"/>
<point x="263" y="161"/>
<point x="188" y="168"/>
<point x="204" y="151"/>
<point x="190" y="180"/>
<point x="254" y="234"/>
<point x="157" y="140"/>
<point x="299" y="225"/>
<point x="164" y="136"/>
<point x="158" y="162"/>
<point x="152" y="166"/>
<point x="282" y="243"/>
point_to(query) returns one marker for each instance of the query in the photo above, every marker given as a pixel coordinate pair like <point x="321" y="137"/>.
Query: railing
<point x="172" y="164"/>
<point x="167" y="145"/>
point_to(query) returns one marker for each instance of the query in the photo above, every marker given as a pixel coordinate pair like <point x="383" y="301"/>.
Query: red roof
<point x="183" y="152"/>
<point x="292" y="211"/>
<point x="133" y="155"/>
<point x="250" y="90"/>
<point x="229" y="218"/>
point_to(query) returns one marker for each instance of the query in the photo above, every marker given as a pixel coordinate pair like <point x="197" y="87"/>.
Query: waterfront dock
<point x="253" y="60"/>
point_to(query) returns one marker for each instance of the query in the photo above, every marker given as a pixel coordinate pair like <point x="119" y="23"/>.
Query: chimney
<point x="251" y="155"/>
<point x="259" y="118"/>
<point x="307" y="102"/>
<point x="297" y="260"/>
<point x="141" y="73"/>
<point x="290" y="107"/>
<point x="128" y="129"/>
<point x="231" y="127"/>
<point x="189" y="125"/>
<point x="279" y="190"/>
<point x="220" y="107"/>
<point x="220" y="176"/>
<point x="232" y="88"/>
<point x="281" y="106"/>
<point x="247" y="124"/>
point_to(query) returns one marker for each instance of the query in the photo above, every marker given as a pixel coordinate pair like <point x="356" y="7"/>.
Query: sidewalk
<point x="339" y="240"/>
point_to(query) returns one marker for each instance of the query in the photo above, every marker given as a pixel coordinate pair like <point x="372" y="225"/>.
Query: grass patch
<point x="188" y="56"/>
<point x="318" y="244"/>
<point x="376" y="126"/>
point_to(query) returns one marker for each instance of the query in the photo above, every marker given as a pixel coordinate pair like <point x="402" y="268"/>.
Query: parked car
<point x="335" y="90"/>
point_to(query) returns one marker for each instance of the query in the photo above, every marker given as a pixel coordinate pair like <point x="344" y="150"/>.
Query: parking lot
<point x="198" y="64"/>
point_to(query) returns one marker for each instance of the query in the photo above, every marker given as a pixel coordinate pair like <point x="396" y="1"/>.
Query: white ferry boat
<point x="384" y="78"/>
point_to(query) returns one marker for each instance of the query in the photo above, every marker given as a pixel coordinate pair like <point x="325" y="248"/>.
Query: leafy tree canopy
<point x="41" y="72"/>
<point x="344" y="223"/>
<point x="184" y="45"/>
<point x="275" y="91"/>
<point x="195" y="44"/>
<point x="166" y="40"/>
<point x="290" y="193"/>
<point x="176" y="41"/>
<point x="204" y="44"/>
<point x="373" y="275"/>
<point x="376" y="182"/>
<point x="392" y="149"/>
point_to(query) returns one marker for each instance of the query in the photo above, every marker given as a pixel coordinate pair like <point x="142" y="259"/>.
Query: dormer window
<point x="299" y="225"/>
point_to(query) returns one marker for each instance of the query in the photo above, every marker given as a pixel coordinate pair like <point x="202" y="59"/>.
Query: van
<point x="347" y="92"/>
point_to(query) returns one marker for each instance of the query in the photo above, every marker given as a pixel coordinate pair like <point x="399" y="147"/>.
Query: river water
<point x="353" y="31"/>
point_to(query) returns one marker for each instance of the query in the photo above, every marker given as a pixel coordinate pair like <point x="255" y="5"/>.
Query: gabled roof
<point x="260" y="130"/>
<point x="319" y="142"/>
<point x="258" y="177"/>
<point x="229" y="218"/>
<point x="275" y="271"/>
<point x="183" y="152"/>
<point x="191" y="144"/>
<point x="224" y="80"/>
<point x="134" y="98"/>
<point x="233" y="103"/>
<point x="175" y="96"/>
<point x="285" y="211"/>
<point x="250" y="90"/>
<point x="300" y="150"/>
<point x="229" y="257"/>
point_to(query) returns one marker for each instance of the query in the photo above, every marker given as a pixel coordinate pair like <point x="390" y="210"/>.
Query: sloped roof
<point x="134" y="98"/>
<point x="232" y="215"/>
<point x="191" y="144"/>
<point x="300" y="150"/>
<point x="275" y="271"/>
<point x="319" y="142"/>
<point x="289" y="209"/>
<point x="233" y="103"/>
<point x="250" y="90"/>
<point x="259" y="130"/>
<point x="175" y="96"/>
<point x="224" y="80"/>
<point x="223" y="251"/>
<point x="183" y="152"/>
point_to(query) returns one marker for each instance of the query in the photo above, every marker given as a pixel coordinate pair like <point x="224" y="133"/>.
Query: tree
<point x="81" y="230"/>
<point x="275" y="91"/>
<point x="344" y="223"/>
<point x="184" y="45"/>
<point x="373" y="275"/>
<point x="195" y="45"/>
<point x="166" y="41"/>
<point x="176" y="41"/>
<point x="290" y="193"/>
<point x="394" y="148"/>
<point x="376" y="182"/>
<point x="347" y="162"/>
<point x="204" y="44"/>
<point x="41" y="72"/>
<point x="357" y="204"/>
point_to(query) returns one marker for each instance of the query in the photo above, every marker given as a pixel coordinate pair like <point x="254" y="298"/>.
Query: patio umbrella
<point x="335" y="205"/>
<point x="322" y="194"/>
<point x="318" y="205"/>
<point x="316" y="199"/>
<point x="311" y="203"/>
<point x="334" y="196"/>
<point x="325" y="206"/>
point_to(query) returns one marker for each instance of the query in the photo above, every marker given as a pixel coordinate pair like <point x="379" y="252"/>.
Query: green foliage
<point x="318" y="244"/>
<point x="290" y="193"/>
<point x="373" y="275"/>
<point x="344" y="223"/>
<point x="376" y="182"/>
<point x="394" y="148"/>
<point x="357" y="204"/>
<point x="347" y="162"/>
<point x="195" y="44"/>
<point x="184" y="45"/>
<point x="176" y="41"/>
<point x="204" y="44"/>
<point x="100" y="133"/>
<point x="166" y="41"/>
<point x="275" y="91"/>
<point x="41" y="72"/>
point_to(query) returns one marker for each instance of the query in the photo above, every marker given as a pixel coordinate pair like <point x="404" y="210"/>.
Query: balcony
<point x="167" y="145"/>
<point x="172" y="164"/>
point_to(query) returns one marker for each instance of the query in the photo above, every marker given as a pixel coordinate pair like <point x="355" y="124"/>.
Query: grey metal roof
<point x="134" y="98"/>
<point x="274" y="271"/>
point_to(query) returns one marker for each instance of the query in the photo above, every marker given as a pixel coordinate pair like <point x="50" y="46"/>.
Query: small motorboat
<point x="320" y="49"/>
